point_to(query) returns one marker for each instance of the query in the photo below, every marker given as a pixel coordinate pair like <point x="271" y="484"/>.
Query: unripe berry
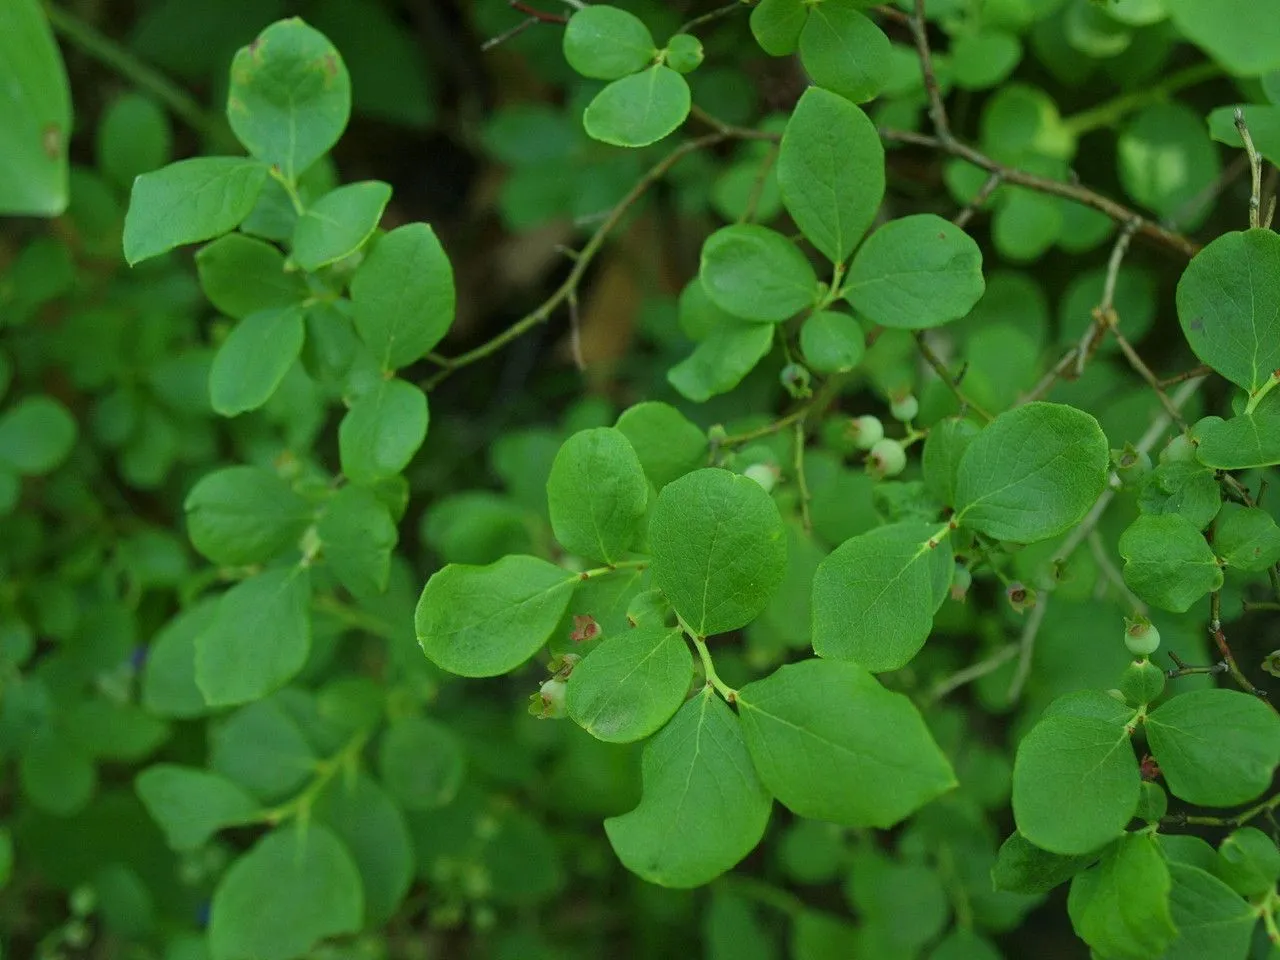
<point x="684" y="53"/>
<point x="961" y="580"/>
<point x="904" y="408"/>
<point x="1020" y="597"/>
<point x="886" y="459"/>
<point x="762" y="474"/>
<point x="1181" y="449"/>
<point x="549" y="702"/>
<point x="1131" y="464"/>
<point x="866" y="432"/>
<point x="1143" y="682"/>
<point x="1140" y="637"/>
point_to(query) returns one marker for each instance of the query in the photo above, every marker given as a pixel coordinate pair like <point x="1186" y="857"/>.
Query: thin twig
<point x="510" y="34"/>
<point x="1203" y="370"/>
<point x="1236" y="820"/>
<point x="1104" y="314"/>
<point x="801" y="482"/>
<point x="1049" y="379"/>
<point x="1026" y="646"/>
<point x="542" y="16"/>
<point x="937" y="108"/>
<point x="962" y="218"/>
<point x="952" y="382"/>
<point x="768" y="430"/>
<point x="1255" y="171"/>
<point x="543" y="311"/>
<point x="1110" y="112"/>
<point x="892" y="13"/>
<point x="1220" y="641"/>
<point x="1108" y="567"/>
<point x="575" y="331"/>
<point x="757" y="188"/>
<point x="726" y="11"/>
<point x="1075" y="192"/>
<point x="974" y="671"/>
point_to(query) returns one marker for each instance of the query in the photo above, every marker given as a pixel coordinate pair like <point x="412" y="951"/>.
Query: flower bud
<point x="1020" y="597"/>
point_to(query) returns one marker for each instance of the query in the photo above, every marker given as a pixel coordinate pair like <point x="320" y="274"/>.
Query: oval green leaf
<point x="640" y="109"/>
<point x="756" y="273"/>
<point x="598" y="495"/>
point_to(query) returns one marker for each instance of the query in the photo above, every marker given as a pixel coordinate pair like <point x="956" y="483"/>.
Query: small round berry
<point x="762" y="474"/>
<point x="1020" y="597"/>
<point x="1141" y="637"/>
<point x="866" y="432"/>
<point x="684" y="53"/>
<point x="549" y="701"/>
<point x="1132" y="465"/>
<point x="887" y="458"/>
<point x="961" y="580"/>
<point x="904" y="408"/>
<point x="1181" y="449"/>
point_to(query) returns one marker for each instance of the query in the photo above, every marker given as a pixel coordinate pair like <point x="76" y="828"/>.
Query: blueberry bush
<point x="783" y="478"/>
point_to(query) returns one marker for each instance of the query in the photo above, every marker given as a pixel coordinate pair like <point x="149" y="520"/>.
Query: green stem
<point x="1235" y="821"/>
<point x="1105" y="114"/>
<point x="708" y="665"/>
<point x="763" y="893"/>
<point x="614" y="568"/>
<point x="1263" y="390"/>
<point x="291" y="189"/>
<point x="112" y="55"/>
<point x="326" y="770"/>
<point x="354" y="617"/>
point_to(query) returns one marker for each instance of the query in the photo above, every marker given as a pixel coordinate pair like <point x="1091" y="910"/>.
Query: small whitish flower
<point x="549" y="702"/>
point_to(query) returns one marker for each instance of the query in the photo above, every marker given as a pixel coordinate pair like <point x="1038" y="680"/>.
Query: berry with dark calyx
<point x="1021" y="598"/>
<point x="1181" y="449"/>
<point x="904" y="407"/>
<point x="795" y="379"/>
<point x="1140" y="637"/>
<point x="886" y="459"/>
<point x="1131" y="464"/>
<point x="549" y="702"/>
<point x="866" y="431"/>
<point x="1142" y="683"/>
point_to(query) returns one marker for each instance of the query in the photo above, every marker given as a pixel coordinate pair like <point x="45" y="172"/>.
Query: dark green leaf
<point x="243" y="515"/>
<point x="756" y="273"/>
<point x="421" y="762"/>
<point x="1121" y="908"/>
<point x="251" y="363"/>
<point x="36" y="435"/>
<point x="357" y="535"/>
<point x="640" y="109"/>
<point x="1167" y="562"/>
<point x="191" y="804"/>
<point x="241" y="275"/>
<point x="598" y="495"/>
<point x="844" y="51"/>
<point x="382" y="431"/>
<point x="667" y="443"/>
<point x="607" y="43"/>
<point x="339" y="223"/>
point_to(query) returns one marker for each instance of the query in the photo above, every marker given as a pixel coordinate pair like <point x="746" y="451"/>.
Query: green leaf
<point x="191" y="804"/>
<point x="844" y="51"/>
<point x="1213" y="921"/>
<point x="253" y="360"/>
<point x="189" y="201"/>
<point x="819" y="936"/>
<point x="1076" y="780"/>
<point x="421" y="762"/>
<point x="374" y="832"/>
<point x="169" y="677"/>
<point x="1188" y="489"/>
<point x="133" y="138"/>
<point x="35" y="114"/>
<point x="486" y="621"/>
<point x="916" y="272"/>
<point x="984" y="59"/>
<point x="702" y="808"/>
<point x="816" y="732"/>
<point x="718" y="549"/>
<point x="241" y="275"/>
<point x="1167" y="562"/>
<point x="874" y="597"/>
<point x="1121" y="908"/>
<point x="1229" y="306"/>
<point x="311" y="883"/>
<point x="1032" y="473"/>
<point x="1216" y="748"/>
<point x="339" y="223"/>
<point x="403" y="295"/>
<point x="831" y="171"/>
<point x="357" y="535"/>
<point x="1166" y="163"/>
<point x="55" y="775"/>
<point x="290" y="96"/>
<point x="1240" y="34"/>
<point x="1249" y="861"/>
<point x="1244" y="442"/>
<point x="598" y="495"/>
<point x="640" y="109"/>
<point x="777" y="24"/>
<point x="1247" y="538"/>
<point x="757" y="274"/>
<point x="943" y="450"/>
<point x="259" y="639"/>
<point x="668" y="444"/>
<point x="239" y="516"/>
<point x="719" y="363"/>
<point x="382" y="431"/>
<point x="632" y="684"/>
<point x="902" y="906"/>
<point x="262" y="748"/>
<point x="832" y="342"/>
<point x="606" y="43"/>
<point x="1022" y="867"/>
<point x="36" y="435"/>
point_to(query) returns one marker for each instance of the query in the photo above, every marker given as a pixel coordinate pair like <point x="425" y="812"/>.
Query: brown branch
<point x="542" y="16"/>
<point x="1104" y="314"/>
<point x="962" y="218"/>
<point x="1255" y="171"/>
<point x="1220" y="641"/>
<point x="1056" y="188"/>
<point x="937" y="108"/>
<point x="1201" y="371"/>
<point x="802" y="482"/>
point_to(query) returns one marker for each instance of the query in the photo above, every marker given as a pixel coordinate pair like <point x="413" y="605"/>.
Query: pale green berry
<point x="684" y="53"/>
<point x="961" y="580"/>
<point x="887" y="458"/>
<point x="1131" y="464"/>
<point x="904" y="408"/>
<point x="762" y="474"/>
<point x="866" y="432"/>
<point x="1141" y="637"/>
<point x="1181" y="449"/>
